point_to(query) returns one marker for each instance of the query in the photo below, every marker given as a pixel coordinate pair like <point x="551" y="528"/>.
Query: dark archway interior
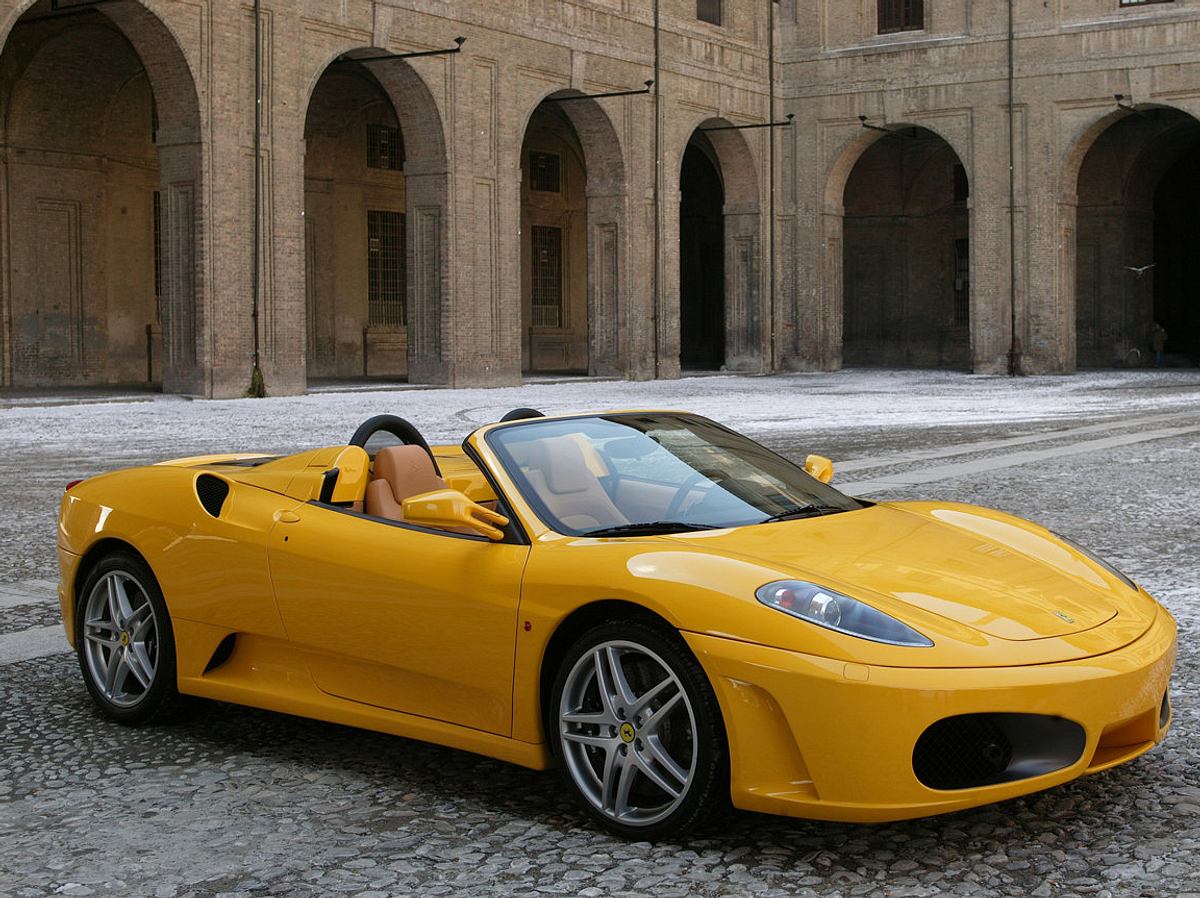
<point x="1177" y="275"/>
<point x="907" y="294"/>
<point x="1138" y="224"/>
<point x="355" y="228"/>
<point x="701" y="260"/>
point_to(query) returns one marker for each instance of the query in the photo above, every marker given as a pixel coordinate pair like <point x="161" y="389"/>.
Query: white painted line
<point x="38" y="642"/>
<point x="1011" y="460"/>
<point x="900" y="458"/>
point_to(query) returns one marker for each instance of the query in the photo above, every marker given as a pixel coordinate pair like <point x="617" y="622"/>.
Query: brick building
<point x="476" y="212"/>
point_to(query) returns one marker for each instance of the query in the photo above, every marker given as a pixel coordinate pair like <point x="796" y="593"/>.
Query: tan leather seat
<point x="400" y="472"/>
<point x="559" y="474"/>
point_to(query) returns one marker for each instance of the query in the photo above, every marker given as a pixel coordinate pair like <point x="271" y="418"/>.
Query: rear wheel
<point x="125" y="642"/>
<point x="637" y="731"/>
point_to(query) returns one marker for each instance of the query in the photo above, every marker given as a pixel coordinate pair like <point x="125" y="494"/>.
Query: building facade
<point x="804" y="184"/>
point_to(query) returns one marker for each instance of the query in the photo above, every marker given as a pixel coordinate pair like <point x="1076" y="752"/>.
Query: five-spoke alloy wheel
<point x="637" y="730"/>
<point x="124" y="639"/>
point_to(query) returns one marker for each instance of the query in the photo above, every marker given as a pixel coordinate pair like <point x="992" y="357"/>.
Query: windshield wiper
<point x="643" y="528"/>
<point x="802" y="511"/>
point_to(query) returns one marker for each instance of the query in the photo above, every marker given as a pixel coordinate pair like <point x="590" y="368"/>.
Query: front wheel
<point x="637" y="731"/>
<point x="125" y="643"/>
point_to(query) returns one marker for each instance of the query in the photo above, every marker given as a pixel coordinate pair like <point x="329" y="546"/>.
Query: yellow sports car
<point x="670" y="613"/>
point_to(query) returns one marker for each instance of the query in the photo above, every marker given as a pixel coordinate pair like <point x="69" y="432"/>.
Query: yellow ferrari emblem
<point x="627" y="732"/>
<point x="124" y="638"/>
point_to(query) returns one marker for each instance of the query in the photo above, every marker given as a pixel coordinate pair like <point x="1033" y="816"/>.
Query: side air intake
<point x="212" y="493"/>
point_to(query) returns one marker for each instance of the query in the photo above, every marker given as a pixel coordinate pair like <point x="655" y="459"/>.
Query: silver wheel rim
<point x="120" y="636"/>
<point x="627" y="731"/>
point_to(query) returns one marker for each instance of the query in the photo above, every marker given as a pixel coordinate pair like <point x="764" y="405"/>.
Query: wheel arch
<point x="578" y="622"/>
<point x="96" y="553"/>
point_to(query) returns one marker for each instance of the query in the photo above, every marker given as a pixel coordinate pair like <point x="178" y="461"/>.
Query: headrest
<point x="408" y="469"/>
<point x="561" y="462"/>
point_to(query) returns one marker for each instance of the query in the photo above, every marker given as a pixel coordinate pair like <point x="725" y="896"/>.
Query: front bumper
<point x="817" y="738"/>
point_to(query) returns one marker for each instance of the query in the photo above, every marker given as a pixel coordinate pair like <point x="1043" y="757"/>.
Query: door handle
<point x="286" y="517"/>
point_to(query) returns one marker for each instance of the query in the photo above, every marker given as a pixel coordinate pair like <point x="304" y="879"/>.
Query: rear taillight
<point x="72" y="484"/>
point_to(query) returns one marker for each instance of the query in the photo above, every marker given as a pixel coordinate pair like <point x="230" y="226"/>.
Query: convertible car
<point x="670" y="613"/>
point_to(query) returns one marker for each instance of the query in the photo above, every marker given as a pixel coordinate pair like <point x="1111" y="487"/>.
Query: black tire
<point x="160" y="699"/>
<point x="705" y="790"/>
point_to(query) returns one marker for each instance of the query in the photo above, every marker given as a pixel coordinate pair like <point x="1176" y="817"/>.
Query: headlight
<point x="1100" y="561"/>
<point x="838" y="612"/>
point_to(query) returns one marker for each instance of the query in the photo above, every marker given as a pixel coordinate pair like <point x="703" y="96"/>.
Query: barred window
<point x="385" y="269"/>
<point x="547" y="276"/>
<point x="709" y="11"/>
<point x="385" y="147"/>
<point x="1143" y="2"/>
<point x="545" y="172"/>
<point x="962" y="281"/>
<point x="901" y="15"/>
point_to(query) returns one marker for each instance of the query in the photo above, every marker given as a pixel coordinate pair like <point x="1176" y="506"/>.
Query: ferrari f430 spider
<point x="670" y="613"/>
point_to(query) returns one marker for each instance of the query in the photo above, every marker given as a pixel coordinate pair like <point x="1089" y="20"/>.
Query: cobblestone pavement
<point x="237" y="802"/>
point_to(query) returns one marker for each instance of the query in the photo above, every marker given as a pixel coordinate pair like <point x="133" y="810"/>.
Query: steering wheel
<point x="685" y="489"/>
<point x="401" y="429"/>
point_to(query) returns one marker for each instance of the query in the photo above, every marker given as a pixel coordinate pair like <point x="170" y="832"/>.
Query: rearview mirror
<point x="451" y="510"/>
<point x="820" y="467"/>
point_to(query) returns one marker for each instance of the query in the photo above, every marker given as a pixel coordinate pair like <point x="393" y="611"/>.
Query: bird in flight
<point x="1140" y="271"/>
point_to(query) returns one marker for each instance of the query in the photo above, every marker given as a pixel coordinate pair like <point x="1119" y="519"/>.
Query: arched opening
<point x="375" y="193"/>
<point x="554" y="264"/>
<point x="572" y="223"/>
<point x="1137" y="226"/>
<point x="720" y="246"/>
<point x="100" y="158"/>
<point x="701" y="259"/>
<point x="906" y="255"/>
<point x="355" y="229"/>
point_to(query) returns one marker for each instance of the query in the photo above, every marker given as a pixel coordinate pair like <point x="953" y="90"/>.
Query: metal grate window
<point x="901" y="15"/>
<point x="385" y="147"/>
<point x="709" y="11"/>
<point x="545" y="172"/>
<point x="1143" y="2"/>
<point x="158" y="256"/>
<point x="385" y="269"/>
<point x="962" y="281"/>
<point x="547" y="276"/>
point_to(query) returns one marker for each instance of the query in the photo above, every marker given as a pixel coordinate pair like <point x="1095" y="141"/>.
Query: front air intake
<point x="973" y="750"/>
<point x="212" y="493"/>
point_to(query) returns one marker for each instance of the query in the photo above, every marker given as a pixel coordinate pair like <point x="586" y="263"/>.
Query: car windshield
<point x="632" y="474"/>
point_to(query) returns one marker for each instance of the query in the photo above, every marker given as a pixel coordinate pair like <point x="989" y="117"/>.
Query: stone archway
<point x="1136" y="228"/>
<point x="905" y="253"/>
<point x="103" y="272"/>
<point x="718" y="181"/>
<point x="573" y="200"/>
<point x="376" y="194"/>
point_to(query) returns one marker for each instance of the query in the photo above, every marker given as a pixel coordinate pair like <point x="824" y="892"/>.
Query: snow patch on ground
<point x="757" y="405"/>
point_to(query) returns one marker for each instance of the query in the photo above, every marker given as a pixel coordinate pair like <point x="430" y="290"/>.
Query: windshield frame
<point x="533" y="503"/>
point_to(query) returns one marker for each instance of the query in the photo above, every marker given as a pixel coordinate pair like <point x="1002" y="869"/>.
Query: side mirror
<point x="820" y="467"/>
<point x="451" y="510"/>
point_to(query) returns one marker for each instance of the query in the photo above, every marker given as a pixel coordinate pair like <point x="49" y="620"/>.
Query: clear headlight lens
<point x="1100" y="561"/>
<point x="834" y="611"/>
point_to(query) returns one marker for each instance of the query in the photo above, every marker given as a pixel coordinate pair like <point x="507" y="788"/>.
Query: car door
<point x="400" y="617"/>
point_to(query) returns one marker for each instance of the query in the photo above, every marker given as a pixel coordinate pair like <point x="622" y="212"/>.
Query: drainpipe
<point x="771" y="316"/>
<point x="1014" y="349"/>
<point x="655" y="312"/>
<point x="257" y="388"/>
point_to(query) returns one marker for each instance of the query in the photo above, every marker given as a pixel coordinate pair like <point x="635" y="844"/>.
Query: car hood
<point x="999" y="575"/>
